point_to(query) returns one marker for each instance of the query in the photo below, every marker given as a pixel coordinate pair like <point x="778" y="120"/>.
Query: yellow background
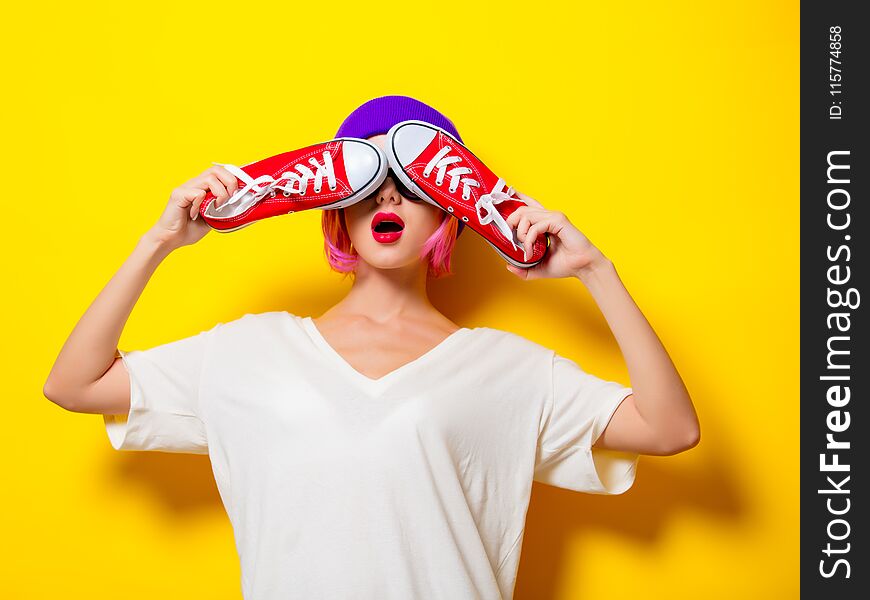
<point x="668" y="133"/>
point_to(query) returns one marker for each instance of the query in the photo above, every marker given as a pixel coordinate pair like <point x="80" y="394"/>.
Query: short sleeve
<point x="164" y="398"/>
<point x="580" y="407"/>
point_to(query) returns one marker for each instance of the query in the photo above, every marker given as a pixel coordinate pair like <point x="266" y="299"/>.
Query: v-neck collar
<point x="365" y="381"/>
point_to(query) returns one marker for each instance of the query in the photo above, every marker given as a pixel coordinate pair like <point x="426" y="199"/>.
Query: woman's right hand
<point x="180" y="225"/>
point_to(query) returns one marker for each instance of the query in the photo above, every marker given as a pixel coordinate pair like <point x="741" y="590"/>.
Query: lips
<point x="385" y="222"/>
<point x="387" y="227"/>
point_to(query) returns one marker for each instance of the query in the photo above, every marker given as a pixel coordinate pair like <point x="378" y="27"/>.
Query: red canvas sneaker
<point x="331" y="174"/>
<point x="442" y="171"/>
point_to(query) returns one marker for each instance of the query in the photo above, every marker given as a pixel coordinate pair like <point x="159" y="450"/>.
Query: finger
<point x="523" y="227"/>
<point x="531" y="236"/>
<point x="528" y="199"/>
<point x="514" y="218"/>
<point x="527" y="246"/>
<point x="188" y="195"/>
<point x="527" y="274"/>
<point x="519" y="272"/>
<point x="196" y="198"/>
<point x="216" y="187"/>
<point x="229" y="180"/>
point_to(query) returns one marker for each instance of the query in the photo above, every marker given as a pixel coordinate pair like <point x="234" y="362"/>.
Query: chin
<point x="384" y="258"/>
<point x="395" y="263"/>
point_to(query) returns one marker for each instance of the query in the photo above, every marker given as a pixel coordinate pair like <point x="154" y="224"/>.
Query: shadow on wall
<point x="642" y="514"/>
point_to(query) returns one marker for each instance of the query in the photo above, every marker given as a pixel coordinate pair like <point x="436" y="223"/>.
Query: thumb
<point x="521" y="273"/>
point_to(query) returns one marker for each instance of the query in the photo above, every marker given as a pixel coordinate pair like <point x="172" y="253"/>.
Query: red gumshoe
<point x="331" y="174"/>
<point x="441" y="170"/>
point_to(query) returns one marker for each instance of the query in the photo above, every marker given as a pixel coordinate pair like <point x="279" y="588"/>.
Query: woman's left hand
<point x="570" y="253"/>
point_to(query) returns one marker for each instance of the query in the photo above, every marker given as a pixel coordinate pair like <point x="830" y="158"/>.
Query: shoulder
<point x="255" y="322"/>
<point x="511" y="343"/>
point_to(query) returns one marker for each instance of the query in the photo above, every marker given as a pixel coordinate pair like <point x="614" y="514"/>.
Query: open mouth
<point x="385" y="222"/>
<point x="388" y="227"/>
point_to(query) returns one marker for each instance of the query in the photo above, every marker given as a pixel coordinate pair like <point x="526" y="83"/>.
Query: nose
<point x="388" y="193"/>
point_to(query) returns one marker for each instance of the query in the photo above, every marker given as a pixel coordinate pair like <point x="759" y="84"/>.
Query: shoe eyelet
<point x="272" y="194"/>
<point x="302" y="193"/>
<point x="466" y="197"/>
<point x="450" y="209"/>
<point x="465" y="219"/>
<point x="285" y="193"/>
<point x="291" y="212"/>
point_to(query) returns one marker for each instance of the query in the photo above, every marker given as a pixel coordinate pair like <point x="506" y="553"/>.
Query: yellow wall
<point x="669" y="135"/>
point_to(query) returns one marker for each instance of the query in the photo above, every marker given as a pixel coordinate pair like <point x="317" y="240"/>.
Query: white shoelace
<point x="486" y="202"/>
<point x="289" y="182"/>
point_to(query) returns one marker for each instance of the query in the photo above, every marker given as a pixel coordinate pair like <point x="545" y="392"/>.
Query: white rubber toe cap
<point x="363" y="162"/>
<point x="408" y="140"/>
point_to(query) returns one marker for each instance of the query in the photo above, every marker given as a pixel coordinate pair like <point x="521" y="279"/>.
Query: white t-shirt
<point x="413" y="485"/>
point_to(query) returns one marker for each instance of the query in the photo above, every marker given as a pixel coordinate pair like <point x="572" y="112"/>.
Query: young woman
<point x="379" y="450"/>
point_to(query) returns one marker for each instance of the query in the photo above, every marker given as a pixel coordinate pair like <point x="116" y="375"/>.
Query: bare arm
<point x="658" y="417"/>
<point x="87" y="376"/>
<point x="76" y="381"/>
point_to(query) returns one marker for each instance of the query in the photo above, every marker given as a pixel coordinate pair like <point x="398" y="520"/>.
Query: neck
<point x="385" y="294"/>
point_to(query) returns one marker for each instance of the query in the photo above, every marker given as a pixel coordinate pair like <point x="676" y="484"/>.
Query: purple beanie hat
<point x="378" y="115"/>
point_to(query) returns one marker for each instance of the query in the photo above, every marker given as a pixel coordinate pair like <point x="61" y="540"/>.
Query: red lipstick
<point x="387" y="227"/>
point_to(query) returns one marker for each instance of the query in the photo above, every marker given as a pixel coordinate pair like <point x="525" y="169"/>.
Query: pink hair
<point x="343" y="258"/>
